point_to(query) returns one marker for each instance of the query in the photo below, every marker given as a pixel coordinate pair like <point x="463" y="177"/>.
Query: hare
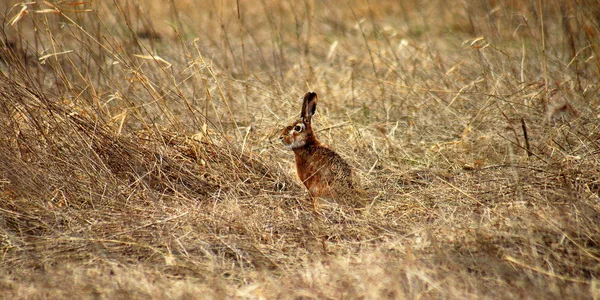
<point x="324" y="173"/>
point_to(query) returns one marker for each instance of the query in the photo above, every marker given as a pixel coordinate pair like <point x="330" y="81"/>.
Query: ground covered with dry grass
<point x="139" y="154"/>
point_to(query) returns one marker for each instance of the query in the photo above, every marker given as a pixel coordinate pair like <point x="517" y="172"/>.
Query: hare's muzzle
<point x="286" y="141"/>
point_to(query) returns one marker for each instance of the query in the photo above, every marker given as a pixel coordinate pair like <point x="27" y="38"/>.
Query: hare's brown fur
<point x="323" y="172"/>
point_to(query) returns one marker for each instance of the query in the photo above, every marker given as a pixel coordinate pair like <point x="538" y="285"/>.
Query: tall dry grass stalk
<point x="139" y="160"/>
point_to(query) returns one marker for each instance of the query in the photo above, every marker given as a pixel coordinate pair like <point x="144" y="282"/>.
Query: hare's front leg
<point x="315" y="204"/>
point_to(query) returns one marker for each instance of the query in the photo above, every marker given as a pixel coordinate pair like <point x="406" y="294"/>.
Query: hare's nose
<point x="281" y="139"/>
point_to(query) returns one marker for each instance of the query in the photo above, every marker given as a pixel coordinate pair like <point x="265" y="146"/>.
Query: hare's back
<point x="331" y="167"/>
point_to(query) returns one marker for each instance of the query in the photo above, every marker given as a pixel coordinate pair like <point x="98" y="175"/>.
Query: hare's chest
<point x="315" y="173"/>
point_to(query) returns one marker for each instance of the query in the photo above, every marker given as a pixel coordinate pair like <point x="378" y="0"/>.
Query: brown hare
<point x="324" y="173"/>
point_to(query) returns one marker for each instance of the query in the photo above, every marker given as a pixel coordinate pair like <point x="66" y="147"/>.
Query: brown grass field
<point x="139" y="156"/>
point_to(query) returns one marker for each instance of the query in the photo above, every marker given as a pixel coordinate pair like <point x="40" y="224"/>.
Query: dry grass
<point x="139" y="158"/>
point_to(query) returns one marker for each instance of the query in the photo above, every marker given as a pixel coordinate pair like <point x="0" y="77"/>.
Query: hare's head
<point x="299" y="134"/>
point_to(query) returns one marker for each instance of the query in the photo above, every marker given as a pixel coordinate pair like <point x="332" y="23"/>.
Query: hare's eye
<point x="297" y="128"/>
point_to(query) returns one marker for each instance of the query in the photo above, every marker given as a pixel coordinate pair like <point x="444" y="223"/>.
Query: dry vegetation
<point x="138" y="152"/>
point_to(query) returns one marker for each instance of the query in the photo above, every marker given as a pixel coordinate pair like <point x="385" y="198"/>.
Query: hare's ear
<point x="309" y="106"/>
